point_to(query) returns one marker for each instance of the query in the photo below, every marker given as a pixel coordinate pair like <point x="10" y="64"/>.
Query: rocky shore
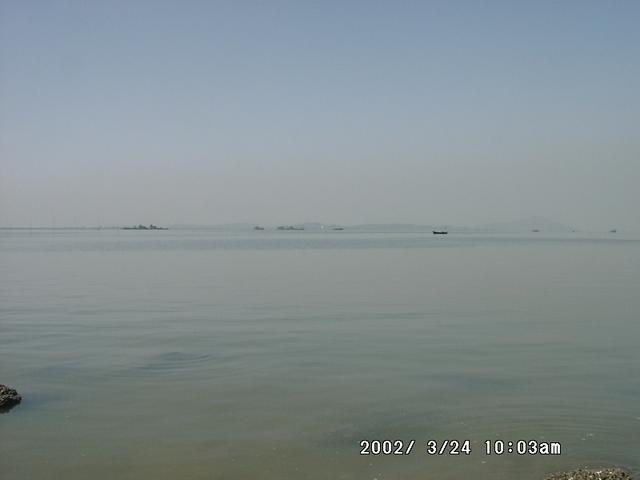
<point x="9" y="397"/>
<point x="592" y="474"/>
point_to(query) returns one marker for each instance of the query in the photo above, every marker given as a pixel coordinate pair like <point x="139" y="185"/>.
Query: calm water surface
<point x="213" y="355"/>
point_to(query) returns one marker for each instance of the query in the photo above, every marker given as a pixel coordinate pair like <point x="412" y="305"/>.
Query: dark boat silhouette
<point x="258" y="228"/>
<point x="440" y="232"/>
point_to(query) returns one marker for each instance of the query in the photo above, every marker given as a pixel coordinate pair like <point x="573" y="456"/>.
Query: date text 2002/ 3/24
<point x="401" y="447"/>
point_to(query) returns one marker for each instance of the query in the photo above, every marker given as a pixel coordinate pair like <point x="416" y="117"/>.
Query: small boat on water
<point x="613" y="230"/>
<point x="338" y="228"/>
<point x="257" y="227"/>
<point x="440" y="232"/>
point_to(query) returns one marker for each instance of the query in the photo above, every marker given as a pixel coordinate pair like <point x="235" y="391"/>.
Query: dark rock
<point x="592" y="474"/>
<point x="8" y="397"/>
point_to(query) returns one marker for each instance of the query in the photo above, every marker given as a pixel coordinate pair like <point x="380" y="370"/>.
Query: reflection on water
<point x="215" y="355"/>
<point x="175" y="361"/>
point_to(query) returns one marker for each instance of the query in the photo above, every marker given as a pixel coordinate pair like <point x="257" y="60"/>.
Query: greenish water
<point x="213" y="355"/>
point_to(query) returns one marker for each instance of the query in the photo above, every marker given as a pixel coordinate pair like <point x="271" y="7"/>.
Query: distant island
<point x="143" y="227"/>
<point x="289" y="227"/>
<point x="529" y="225"/>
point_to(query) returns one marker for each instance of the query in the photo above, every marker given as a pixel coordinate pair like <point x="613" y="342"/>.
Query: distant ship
<point x="257" y="227"/>
<point x="440" y="232"/>
<point x="142" y="227"/>
<point x="535" y="230"/>
<point x="338" y="228"/>
<point x="613" y="230"/>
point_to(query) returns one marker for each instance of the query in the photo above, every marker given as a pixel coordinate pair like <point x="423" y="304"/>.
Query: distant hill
<point x="394" y="227"/>
<point x="516" y="226"/>
<point x="224" y="226"/>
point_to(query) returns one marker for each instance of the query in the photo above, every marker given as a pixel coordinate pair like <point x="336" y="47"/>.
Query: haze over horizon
<point x="116" y="113"/>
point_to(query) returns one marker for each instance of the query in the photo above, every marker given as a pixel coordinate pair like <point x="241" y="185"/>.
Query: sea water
<point x="203" y="354"/>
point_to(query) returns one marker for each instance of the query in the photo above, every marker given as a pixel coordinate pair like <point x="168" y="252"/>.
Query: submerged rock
<point x="8" y="397"/>
<point x="592" y="474"/>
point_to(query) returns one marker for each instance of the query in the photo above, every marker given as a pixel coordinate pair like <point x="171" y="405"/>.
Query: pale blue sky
<point x="120" y="112"/>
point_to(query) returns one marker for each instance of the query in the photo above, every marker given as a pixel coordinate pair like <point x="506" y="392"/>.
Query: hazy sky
<point x="120" y="112"/>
